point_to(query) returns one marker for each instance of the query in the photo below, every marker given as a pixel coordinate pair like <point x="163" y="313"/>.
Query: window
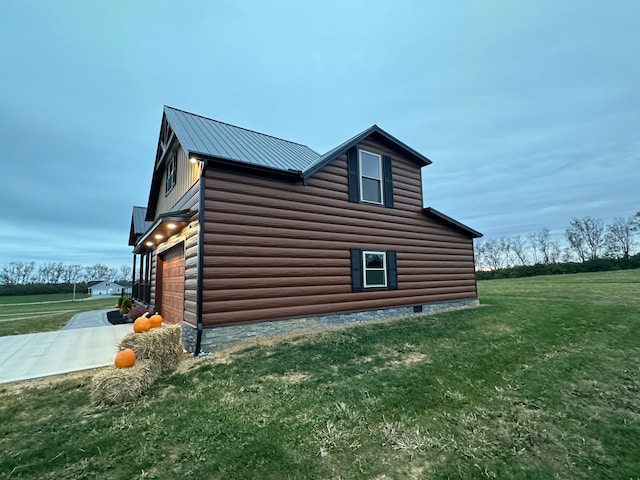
<point x="370" y="177"/>
<point x="170" y="180"/>
<point x="373" y="269"/>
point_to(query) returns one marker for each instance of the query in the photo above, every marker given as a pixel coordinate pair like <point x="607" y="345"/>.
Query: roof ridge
<point x="241" y="128"/>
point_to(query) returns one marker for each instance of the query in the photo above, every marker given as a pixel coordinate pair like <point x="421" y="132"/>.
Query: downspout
<point x="200" y="282"/>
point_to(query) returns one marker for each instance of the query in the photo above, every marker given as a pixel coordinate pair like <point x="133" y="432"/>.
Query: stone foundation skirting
<point x="220" y="337"/>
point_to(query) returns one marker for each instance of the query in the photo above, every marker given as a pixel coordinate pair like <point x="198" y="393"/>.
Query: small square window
<point x="370" y="177"/>
<point x="375" y="269"/>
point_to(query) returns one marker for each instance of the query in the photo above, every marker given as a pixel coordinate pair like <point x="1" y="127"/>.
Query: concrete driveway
<point x="87" y="341"/>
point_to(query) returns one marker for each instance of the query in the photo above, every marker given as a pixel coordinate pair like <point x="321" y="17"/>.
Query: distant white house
<point x="107" y="288"/>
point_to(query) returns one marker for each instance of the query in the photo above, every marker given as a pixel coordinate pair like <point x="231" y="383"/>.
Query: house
<point x="106" y="288"/>
<point x="244" y="228"/>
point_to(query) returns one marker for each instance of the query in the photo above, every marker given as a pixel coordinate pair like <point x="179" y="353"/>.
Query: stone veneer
<point x="221" y="337"/>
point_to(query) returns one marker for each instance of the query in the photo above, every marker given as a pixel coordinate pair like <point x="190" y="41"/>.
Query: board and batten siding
<point x="274" y="249"/>
<point x="187" y="174"/>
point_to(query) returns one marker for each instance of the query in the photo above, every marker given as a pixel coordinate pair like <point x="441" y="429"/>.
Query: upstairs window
<point x="370" y="179"/>
<point x="170" y="180"/>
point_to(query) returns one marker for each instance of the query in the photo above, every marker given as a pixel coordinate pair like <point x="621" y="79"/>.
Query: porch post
<point x="133" y="276"/>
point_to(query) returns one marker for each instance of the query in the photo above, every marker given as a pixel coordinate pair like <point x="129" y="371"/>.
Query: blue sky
<point x="530" y="110"/>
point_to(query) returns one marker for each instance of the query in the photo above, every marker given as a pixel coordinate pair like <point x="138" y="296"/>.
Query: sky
<point x="529" y="110"/>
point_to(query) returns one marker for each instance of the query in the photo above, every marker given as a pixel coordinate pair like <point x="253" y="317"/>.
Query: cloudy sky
<point x="530" y="110"/>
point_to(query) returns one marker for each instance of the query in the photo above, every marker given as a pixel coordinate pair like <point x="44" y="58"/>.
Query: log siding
<point x="274" y="249"/>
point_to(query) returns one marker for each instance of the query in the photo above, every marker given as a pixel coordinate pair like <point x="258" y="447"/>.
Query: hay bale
<point x="114" y="386"/>
<point x="157" y="351"/>
<point x="162" y="345"/>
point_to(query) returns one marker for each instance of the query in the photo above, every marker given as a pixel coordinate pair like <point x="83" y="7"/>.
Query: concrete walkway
<point x="87" y="341"/>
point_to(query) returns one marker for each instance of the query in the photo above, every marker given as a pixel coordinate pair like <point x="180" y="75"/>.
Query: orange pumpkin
<point x="155" y="320"/>
<point x="125" y="358"/>
<point x="142" y="324"/>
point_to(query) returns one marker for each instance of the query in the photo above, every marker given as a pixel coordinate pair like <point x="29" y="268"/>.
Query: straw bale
<point x="157" y="351"/>
<point x="113" y="386"/>
<point x="162" y="345"/>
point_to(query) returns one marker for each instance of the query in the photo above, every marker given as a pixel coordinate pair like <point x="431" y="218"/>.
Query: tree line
<point x="56" y="273"/>
<point x="587" y="240"/>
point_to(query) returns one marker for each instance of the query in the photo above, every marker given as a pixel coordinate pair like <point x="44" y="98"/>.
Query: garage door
<point x="172" y="294"/>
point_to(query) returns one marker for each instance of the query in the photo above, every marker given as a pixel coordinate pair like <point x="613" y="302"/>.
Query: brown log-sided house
<point x="242" y="227"/>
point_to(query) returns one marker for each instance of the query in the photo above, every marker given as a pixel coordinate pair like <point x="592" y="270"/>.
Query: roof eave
<point x="432" y="212"/>
<point x="245" y="166"/>
<point x="412" y="154"/>
<point x="179" y="219"/>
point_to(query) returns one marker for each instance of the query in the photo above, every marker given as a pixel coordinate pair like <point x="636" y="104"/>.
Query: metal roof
<point x="140" y="225"/>
<point x="204" y="136"/>
<point x="378" y="133"/>
<point x="433" y="213"/>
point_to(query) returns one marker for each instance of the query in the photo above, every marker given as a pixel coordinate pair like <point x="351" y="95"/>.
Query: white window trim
<point x="381" y="179"/>
<point x="172" y="161"/>
<point x="365" y="269"/>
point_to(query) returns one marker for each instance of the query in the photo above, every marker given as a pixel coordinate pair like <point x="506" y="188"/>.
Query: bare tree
<point x="577" y="244"/>
<point x="17" y="273"/>
<point x="27" y="272"/>
<point x="124" y="273"/>
<point x="97" y="272"/>
<point x="50" y="272"/>
<point x="519" y="248"/>
<point x="72" y="273"/>
<point x="567" y="255"/>
<point x="505" y="245"/>
<point x="619" y="240"/>
<point x="585" y="237"/>
<point x="112" y="274"/>
<point x="546" y="249"/>
<point x="493" y="254"/>
<point x="11" y="273"/>
<point x="532" y="237"/>
<point x="478" y="253"/>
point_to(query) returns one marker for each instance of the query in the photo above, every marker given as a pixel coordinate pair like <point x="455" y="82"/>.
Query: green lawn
<point x="25" y="314"/>
<point x="49" y="297"/>
<point x="542" y="382"/>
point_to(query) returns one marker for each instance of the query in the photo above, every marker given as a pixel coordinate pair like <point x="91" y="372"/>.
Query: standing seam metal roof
<point x="209" y="137"/>
<point x="140" y="225"/>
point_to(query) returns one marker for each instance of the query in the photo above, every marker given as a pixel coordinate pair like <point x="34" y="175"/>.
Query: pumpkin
<point x="125" y="358"/>
<point x="142" y="324"/>
<point x="155" y="320"/>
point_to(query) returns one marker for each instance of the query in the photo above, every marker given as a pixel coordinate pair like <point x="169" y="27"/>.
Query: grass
<point x="24" y="314"/>
<point x="542" y="382"/>
<point x="49" y="297"/>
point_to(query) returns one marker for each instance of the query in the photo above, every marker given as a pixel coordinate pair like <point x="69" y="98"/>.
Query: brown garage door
<point x="172" y="289"/>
